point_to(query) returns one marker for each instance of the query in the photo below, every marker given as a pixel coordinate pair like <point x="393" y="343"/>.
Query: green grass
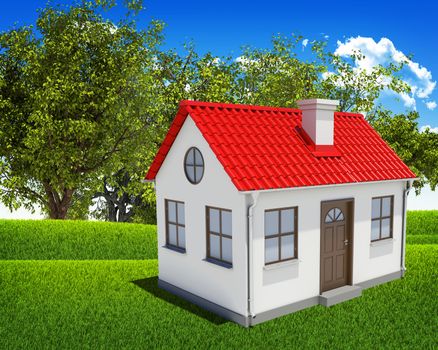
<point x="422" y="222"/>
<point x="116" y="304"/>
<point x="79" y="240"/>
<point x="75" y="240"/>
<point x="73" y="284"/>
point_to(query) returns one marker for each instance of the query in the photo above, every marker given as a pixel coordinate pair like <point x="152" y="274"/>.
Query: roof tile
<point x="260" y="149"/>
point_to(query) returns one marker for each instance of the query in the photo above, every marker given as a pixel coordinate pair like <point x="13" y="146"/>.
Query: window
<point x="219" y="235"/>
<point x="175" y="225"/>
<point x="281" y="243"/>
<point x="334" y="215"/>
<point x="381" y="218"/>
<point x="194" y="165"/>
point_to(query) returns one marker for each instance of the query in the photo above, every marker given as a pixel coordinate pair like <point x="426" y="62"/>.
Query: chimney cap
<point x="318" y="102"/>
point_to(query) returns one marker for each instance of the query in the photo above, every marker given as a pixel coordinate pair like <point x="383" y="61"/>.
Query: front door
<point x="336" y="243"/>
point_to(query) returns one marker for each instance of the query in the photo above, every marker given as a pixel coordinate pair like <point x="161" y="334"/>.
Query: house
<point x="265" y="211"/>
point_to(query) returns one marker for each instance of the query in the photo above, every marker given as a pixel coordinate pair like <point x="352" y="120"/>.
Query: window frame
<point x="176" y="247"/>
<point x="279" y="234"/>
<point x="381" y="218"/>
<point x="210" y="258"/>
<point x="194" y="149"/>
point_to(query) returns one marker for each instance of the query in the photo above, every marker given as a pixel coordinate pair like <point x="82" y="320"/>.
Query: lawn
<point x="115" y="303"/>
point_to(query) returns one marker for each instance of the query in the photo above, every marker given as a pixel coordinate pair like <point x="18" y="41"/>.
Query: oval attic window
<point x="194" y="165"/>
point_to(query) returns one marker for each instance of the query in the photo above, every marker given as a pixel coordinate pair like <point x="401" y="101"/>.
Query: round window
<point x="194" y="165"/>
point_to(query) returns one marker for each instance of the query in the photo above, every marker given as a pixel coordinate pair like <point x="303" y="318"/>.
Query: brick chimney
<point x="318" y="119"/>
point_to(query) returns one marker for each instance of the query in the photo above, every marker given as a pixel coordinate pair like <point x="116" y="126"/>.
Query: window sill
<point x="380" y="242"/>
<point x="281" y="264"/>
<point x="219" y="263"/>
<point x="175" y="249"/>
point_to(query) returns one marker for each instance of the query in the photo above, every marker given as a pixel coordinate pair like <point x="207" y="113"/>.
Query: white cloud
<point x="408" y="100"/>
<point x="425" y="127"/>
<point x="431" y="105"/>
<point x="305" y="42"/>
<point x="384" y="52"/>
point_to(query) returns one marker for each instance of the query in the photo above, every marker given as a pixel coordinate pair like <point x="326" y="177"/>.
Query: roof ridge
<point x="190" y="103"/>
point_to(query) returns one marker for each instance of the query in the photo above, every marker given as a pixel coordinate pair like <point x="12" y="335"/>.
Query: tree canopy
<point x="74" y="100"/>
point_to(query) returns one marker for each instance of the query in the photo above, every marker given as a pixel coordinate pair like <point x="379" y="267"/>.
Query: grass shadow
<point x="150" y="284"/>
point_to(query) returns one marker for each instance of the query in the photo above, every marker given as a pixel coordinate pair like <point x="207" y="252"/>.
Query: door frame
<point x="350" y="228"/>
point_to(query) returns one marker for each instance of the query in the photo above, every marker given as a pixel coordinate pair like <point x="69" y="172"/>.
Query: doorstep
<point x="338" y="295"/>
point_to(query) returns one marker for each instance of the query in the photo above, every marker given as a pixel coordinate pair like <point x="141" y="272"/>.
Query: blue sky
<point x="223" y="27"/>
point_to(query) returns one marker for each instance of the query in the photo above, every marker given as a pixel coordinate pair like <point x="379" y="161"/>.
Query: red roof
<point x="265" y="148"/>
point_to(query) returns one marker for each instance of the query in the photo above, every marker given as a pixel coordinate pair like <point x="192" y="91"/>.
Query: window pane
<point x="375" y="210"/>
<point x="227" y="251"/>
<point x="190" y="170"/>
<point x="271" y="250"/>
<point x="287" y="247"/>
<point x="386" y="206"/>
<point x="171" y="211"/>
<point x="199" y="173"/>
<point x="226" y="223"/>
<point x="385" y="228"/>
<point x="329" y="217"/>
<point x="172" y="234"/>
<point x="215" y="247"/>
<point x="189" y="158"/>
<point x="181" y="218"/>
<point x="271" y="223"/>
<point x="287" y="220"/>
<point x="214" y="220"/>
<point x="198" y="158"/>
<point x="341" y="216"/>
<point x="375" y="227"/>
<point x="181" y="237"/>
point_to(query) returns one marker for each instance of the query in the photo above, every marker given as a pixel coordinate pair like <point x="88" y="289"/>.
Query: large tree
<point x="76" y="97"/>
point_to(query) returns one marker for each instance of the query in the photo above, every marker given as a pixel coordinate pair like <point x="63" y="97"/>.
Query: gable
<point x="262" y="148"/>
<point x="172" y="173"/>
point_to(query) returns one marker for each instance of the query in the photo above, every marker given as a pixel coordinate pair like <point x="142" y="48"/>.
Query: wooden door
<point x="336" y="243"/>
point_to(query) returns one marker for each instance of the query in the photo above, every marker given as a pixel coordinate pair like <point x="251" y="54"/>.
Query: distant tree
<point x="419" y="150"/>
<point x="76" y="97"/>
<point x="279" y="77"/>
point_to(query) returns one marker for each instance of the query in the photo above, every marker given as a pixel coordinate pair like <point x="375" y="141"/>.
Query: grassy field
<point x="422" y="227"/>
<point x="75" y="240"/>
<point x="106" y="302"/>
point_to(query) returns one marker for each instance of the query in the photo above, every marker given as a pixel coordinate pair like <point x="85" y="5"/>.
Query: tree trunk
<point x="58" y="206"/>
<point x="112" y="210"/>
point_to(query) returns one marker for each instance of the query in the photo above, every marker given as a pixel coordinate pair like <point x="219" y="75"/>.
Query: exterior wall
<point x="287" y="282"/>
<point x="226" y="287"/>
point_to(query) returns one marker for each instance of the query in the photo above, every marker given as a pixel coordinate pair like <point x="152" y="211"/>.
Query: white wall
<point x="226" y="287"/>
<point x="290" y="283"/>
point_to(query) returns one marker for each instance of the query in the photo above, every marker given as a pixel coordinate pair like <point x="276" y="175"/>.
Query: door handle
<point x="346" y="242"/>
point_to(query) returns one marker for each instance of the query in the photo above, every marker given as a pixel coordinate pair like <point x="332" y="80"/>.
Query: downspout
<point x="403" y="239"/>
<point x="250" y="263"/>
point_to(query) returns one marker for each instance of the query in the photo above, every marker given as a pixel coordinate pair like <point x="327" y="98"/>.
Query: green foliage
<point x="419" y="150"/>
<point x="75" y="101"/>
<point x="75" y="240"/>
<point x="356" y="88"/>
<point x="117" y="304"/>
